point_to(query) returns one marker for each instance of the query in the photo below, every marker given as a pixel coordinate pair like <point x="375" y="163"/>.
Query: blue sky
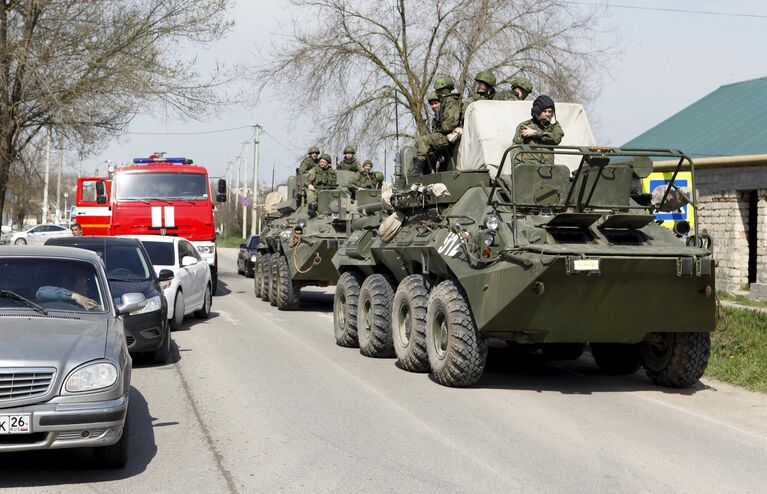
<point x="667" y="60"/>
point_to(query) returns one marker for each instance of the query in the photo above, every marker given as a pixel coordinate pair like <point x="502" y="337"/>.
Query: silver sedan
<point x="64" y="365"/>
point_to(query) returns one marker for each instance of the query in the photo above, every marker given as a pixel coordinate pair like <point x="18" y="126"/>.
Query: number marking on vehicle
<point x="15" y="424"/>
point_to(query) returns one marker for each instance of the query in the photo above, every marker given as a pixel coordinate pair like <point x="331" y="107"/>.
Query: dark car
<point x="246" y="256"/>
<point x="130" y="270"/>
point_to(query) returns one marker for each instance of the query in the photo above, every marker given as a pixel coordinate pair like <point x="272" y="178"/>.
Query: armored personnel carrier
<point x="558" y="256"/>
<point x="297" y="248"/>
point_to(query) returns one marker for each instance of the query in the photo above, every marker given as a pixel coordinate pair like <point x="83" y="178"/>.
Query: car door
<point x="36" y="235"/>
<point x="190" y="283"/>
<point x="199" y="274"/>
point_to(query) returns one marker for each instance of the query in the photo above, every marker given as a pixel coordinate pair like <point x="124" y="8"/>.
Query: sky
<point x="666" y="60"/>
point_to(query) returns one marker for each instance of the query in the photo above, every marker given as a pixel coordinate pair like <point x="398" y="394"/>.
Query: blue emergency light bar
<point x="181" y="161"/>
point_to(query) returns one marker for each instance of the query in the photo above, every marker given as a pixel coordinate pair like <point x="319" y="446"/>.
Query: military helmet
<point x="314" y="149"/>
<point x="487" y="77"/>
<point x="349" y="149"/>
<point x="522" y="83"/>
<point x="326" y="157"/>
<point x="432" y="96"/>
<point x="444" y="82"/>
<point x="367" y="162"/>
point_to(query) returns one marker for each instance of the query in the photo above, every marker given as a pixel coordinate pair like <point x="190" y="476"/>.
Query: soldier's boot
<point x="419" y="167"/>
<point x="312" y="210"/>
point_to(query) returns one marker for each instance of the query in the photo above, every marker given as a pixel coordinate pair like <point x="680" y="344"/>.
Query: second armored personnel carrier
<point x="558" y="255"/>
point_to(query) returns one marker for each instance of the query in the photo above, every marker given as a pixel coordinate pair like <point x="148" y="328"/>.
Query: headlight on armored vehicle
<point x="489" y="238"/>
<point x="91" y="377"/>
<point x="152" y="304"/>
<point x="492" y="223"/>
<point x="301" y="223"/>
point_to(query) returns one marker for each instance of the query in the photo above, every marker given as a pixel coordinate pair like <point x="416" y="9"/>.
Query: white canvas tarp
<point x="489" y="128"/>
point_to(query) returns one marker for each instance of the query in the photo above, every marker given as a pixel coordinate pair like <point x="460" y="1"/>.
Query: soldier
<point x="450" y="118"/>
<point x="540" y="130"/>
<point x="484" y="89"/>
<point x="311" y="161"/>
<point x="521" y="87"/>
<point x="320" y="176"/>
<point x="349" y="163"/>
<point x="433" y="100"/>
<point x="363" y="179"/>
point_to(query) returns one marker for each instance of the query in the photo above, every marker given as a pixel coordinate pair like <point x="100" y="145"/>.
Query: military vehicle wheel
<point x="288" y="291"/>
<point x="345" y="309"/>
<point x="676" y="360"/>
<point x="457" y="353"/>
<point x="274" y="278"/>
<point x="616" y="358"/>
<point x="374" y="316"/>
<point x="257" y="276"/>
<point x="409" y="323"/>
<point x="562" y="351"/>
<point x="266" y="278"/>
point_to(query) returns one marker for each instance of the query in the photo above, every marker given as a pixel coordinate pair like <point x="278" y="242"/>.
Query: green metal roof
<point x="730" y="121"/>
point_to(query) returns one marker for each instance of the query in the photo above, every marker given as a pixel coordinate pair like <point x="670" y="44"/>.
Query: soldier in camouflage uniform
<point x="433" y="100"/>
<point x="521" y="87"/>
<point x="363" y="179"/>
<point x="484" y="89"/>
<point x="349" y="163"/>
<point x="320" y="176"/>
<point x="450" y="118"/>
<point x="539" y="130"/>
<point x="311" y="161"/>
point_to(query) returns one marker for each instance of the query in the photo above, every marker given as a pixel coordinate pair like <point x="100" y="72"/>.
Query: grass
<point x="739" y="349"/>
<point x="230" y="241"/>
<point x="741" y="299"/>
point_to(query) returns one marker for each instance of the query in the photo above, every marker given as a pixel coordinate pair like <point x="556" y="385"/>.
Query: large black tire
<point x="161" y="355"/>
<point x="408" y="323"/>
<point x="274" y="278"/>
<point x="115" y="455"/>
<point x="288" y="290"/>
<point x="345" y="308"/>
<point x="676" y="360"/>
<point x="457" y="352"/>
<point x="178" y="312"/>
<point x="266" y="276"/>
<point x="562" y="351"/>
<point x="616" y="358"/>
<point x="374" y="316"/>
<point x="204" y="311"/>
<point x="257" y="268"/>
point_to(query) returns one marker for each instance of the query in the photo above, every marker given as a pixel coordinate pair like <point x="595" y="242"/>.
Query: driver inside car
<point x="61" y="294"/>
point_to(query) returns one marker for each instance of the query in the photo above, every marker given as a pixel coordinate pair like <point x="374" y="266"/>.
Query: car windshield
<point x="50" y="284"/>
<point x="161" y="253"/>
<point x="123" y="262"/>
<point x="135" y="186"/>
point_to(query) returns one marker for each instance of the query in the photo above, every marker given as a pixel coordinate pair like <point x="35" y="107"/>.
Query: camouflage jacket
<point x="436" y="122"/>
<point x="307" y="164"/>
<point x="449" y="112"/>
<point x="476" y="97"/>
<point x="322" y="178"/>
<point x="352" y="166"/>
<point x="547" y="135"/>
<point x="507" y="95"/>
<point x="362" y="180"/>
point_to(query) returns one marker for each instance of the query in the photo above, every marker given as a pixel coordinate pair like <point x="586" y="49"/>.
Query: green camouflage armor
<point x="548" y="135"/>
<point x="450" y="118"/>
<point x="507" y="95"/>
<point x="350" y="165"/>
<point x="319" y="177"/>
<point x="477" y="97"/>
<point x="307" y="164"/>
<point x="362" y="180"/>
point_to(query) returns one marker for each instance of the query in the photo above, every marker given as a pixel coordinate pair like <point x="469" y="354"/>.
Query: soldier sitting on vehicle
<point x="521" y="87"/>
<point x="542" y="129"/>
<point x="321" y="176"/>
<point x="484" y="89"/>
<point x="433" y="100"/>
<point x="448" y="131"/>
<point x="349" y="162"/>
<point x="311" y="161"/>
<point x="364" y="179"/>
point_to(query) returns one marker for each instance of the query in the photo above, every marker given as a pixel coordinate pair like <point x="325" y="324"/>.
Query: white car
<point x="37" y="235"/>
<point x="190" y="290"/>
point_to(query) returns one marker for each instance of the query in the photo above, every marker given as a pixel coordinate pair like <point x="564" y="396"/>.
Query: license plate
<point x="585" y="264"/>
<point x="20" y="423"/>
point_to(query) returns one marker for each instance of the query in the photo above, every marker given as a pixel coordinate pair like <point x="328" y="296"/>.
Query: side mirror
<point x="165" y="275"/>
<point x="101" y="200"/>
<point x="131" y="302"/>
<point x="188" y="261"/>
<point x="243" y="246"/>
<point x="220" y="197"/>
<point x="100" y="189"/>
<point x="221" y="186"/>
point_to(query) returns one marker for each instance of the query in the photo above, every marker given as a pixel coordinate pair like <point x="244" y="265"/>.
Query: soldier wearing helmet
<point x="521" y="87"/>
<point x="433" y="100"/>
<point x="320" y="176"/>
<point x="349" y="162"/>
<point x="483" y="90"/>
<point x="311" y="161"/>
<point x="542" y="129"/>
<point x="450" y="117"/>
<point x="364" y="179"/>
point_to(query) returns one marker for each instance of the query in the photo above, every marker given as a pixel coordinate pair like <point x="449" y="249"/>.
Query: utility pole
<point x="254" y="226"/>
<point x="272" y="176"/>
<point x="58" y="180"/>
<point x="47" y="175"/>
<point x="244" y="164"/>
<point x="229" y="181"/>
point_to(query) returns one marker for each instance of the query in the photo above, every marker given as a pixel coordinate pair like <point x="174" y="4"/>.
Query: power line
<point x="219" y="131"/>
<point x="664" y="9"/>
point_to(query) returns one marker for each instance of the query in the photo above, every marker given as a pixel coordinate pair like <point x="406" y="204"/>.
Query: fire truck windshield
<point x="165" y="186"/>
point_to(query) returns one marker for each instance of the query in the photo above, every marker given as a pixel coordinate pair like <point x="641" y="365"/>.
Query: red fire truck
<point x="155" y="195"/>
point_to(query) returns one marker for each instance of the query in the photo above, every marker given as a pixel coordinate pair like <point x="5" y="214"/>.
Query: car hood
<point x="53" y="340"/>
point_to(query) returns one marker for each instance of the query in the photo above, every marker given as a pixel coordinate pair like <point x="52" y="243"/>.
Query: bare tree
<point x="86" y="67"/>
<point x="350" y="66"/>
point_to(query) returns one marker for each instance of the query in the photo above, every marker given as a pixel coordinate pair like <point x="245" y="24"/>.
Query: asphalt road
<point x="258" y="400"/>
